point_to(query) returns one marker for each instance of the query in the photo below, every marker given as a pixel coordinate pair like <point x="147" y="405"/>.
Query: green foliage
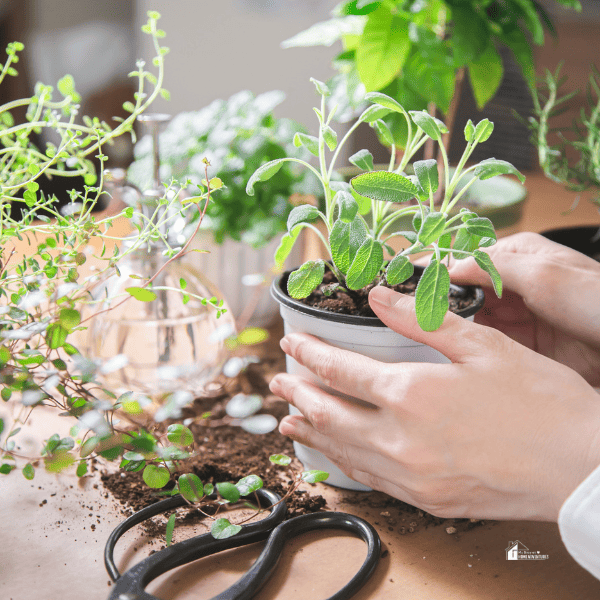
<point x="238" y="136"/>
<point x="570" y="156"/>
<point x="357" y="248"/>
<point x="413" y="51"/>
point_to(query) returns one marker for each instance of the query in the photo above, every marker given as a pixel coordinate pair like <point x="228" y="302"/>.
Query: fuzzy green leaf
<point x="366" y="264"/>
<point x="264" y="173"/>
<point x="169" y="529"/>
<point x="483" y="131"/>
<point x="491" y="167"/>
<point x="384" y="133"/>
<point x="481" y="226"/>
<point x="386" y="101"/>
<point x="384" y="186"/>
<point x="322" y="88"/>
<point x="303" y="281"/>
<point x="310" y="142"/>
<point x="344" y="240"/>
<point x="430" y="125"/>
<point x="373" y="113"/>
<point x="330" y="137"/>
<point x="314" y="476"/>
<point x="431" y="301"/>
<point x="285" y="247"/>
<point x="485" y="262"/>
<point x="363" y="159"/>
<point x="432" y="227"/>
<point x="399" y="269"/>
<point x="427" y="174"/>
<point x="347" y="205"/>
<point x="302" y="214"/>
<point x="469" y="130"/>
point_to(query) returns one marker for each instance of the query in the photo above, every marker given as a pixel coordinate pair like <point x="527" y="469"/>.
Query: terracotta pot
<point x="365" y="335"/>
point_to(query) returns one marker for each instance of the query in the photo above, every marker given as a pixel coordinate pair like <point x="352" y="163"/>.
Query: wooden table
<point x="53" y="530"/>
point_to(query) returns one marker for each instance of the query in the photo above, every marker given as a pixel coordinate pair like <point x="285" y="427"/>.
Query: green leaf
<point x="228" y="491"/>
<point x="486" y="74"/>
<point x="470" y="34"/>
<point x="344" y="240"/>
<point x="56" y="336"/>
<point x="141" y="294"/>
<point x="348" y="206"/>
<point x="432" y="227"/>
<point x="285" y="247"/>
<point x="180" y="435"/>
<point x="89" y="446"/>
<point x="326" y="33"/>
<point x="469" y="130"/>
<point x="363" y="159"/>
<point x="444" y="244"/>
<point x="129" y="212"/>
<point x="322" y="88"/>
<point x="314" y="476"/>
<point x="59" y="461"/>
<point x="248" y="485"/>
<point x="28" y="471"/>
<point x="427" y="174"/>
<point x="190" y="487"/>
<point x="222" y="529"/>
<point x="280" y="459"/>
<point x="156" y="477"/>
<point x="264" y="173"/>
<point x="483" y="130"/>
<point x="382" y="49"/>
<point x="302" y="214"/>
<point x="491" y="167"/>
<point x="310" y="142"/>
<point x="384" y="133"/>
<point x="399" y="269"/>
<point x="169" y="530"/>
<point x="69" y="318"/>
<point x="66" y="86"/>
<point x="386" y="101"/>
<point x="6" y="468"/>
<point x="373" y="113"/>
<point x="384" y="186"/>
<point x="330" y="137"/>
<point x="303" y="281"/>
<point x="366" y="264"/>
<point x="485" y="262"/>
<point x="4" y="355"/>
<point x="82" y="468"/>
<point x="481" y="227"/>
<point x="522" y="50"/>
<point x="431" y="301"/>
<point x="433" y="127"/>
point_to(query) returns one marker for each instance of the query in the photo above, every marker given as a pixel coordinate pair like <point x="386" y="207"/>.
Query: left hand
<point x="502" y="432"/>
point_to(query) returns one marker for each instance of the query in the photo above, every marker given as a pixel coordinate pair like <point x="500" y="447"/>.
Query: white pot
<point x="365" y="335"/>
<point x="227" y="263"/>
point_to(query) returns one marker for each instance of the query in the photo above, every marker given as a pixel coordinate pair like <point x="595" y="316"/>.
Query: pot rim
<point x="281" y="296"/>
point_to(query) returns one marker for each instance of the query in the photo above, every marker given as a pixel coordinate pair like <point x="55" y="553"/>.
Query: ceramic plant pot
<point x="584" y="239"/>
<point x="365" y="335"/>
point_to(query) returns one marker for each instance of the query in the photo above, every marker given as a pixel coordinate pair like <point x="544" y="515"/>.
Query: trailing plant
<point x="237" y="135"/>
<point x="417" y="52"/>
<point x="356" y="245"/>
<point x="43" y="291"/>
<point x="557" y="146"/>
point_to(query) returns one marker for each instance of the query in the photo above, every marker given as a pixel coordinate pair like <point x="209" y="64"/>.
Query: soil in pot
<point x="357" y="302"/>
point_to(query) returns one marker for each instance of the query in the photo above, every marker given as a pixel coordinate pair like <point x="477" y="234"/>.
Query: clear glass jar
<point x="170" y="346"/>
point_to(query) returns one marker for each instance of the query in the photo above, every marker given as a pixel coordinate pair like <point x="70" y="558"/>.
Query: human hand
<point x="551" y="299"/>
<point x="503" y="432"/>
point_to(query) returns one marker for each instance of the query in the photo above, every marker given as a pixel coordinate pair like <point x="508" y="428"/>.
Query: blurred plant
<point x="582" y="139"/>
<point x="237" y="135"/>
<point x="43" y="292"/>
<point x="417" y="51"/>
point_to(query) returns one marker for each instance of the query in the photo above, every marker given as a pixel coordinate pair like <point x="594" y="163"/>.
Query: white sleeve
<point x="579" y="523"/>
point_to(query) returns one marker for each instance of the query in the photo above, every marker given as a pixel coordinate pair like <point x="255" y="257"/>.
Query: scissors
<point x="130" y="585"/>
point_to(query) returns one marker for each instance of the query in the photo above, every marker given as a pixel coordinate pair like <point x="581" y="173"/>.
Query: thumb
<point x="457" y="338"/>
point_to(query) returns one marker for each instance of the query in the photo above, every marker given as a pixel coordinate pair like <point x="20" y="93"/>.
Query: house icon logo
<point x="518" y="551"/>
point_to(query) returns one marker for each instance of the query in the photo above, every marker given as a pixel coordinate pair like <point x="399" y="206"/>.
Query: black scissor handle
<point x="130" y="585"/>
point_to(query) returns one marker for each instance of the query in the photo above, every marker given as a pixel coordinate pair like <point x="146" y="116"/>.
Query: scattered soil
<point x="351" y="302"/>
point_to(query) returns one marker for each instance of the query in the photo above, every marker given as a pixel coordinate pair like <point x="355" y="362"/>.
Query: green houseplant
<point x="356" y="248"/>
<point x="570" y="156"/>
<point x="237" y="135"/>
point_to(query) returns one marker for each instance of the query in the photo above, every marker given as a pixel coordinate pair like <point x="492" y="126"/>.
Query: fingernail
<point x="285" y="345"/>
<point x="384" y="296"/>
<point x="275" y="385"/>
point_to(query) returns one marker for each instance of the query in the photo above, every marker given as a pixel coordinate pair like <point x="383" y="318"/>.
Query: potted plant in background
<point x="570" y="156"/>
<point x="241" y="232"/>
<point x="420" y="54"/>
<point x="329" y="297"/>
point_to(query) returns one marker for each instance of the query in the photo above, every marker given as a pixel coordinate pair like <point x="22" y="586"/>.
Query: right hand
<point x="551" y="299"/>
